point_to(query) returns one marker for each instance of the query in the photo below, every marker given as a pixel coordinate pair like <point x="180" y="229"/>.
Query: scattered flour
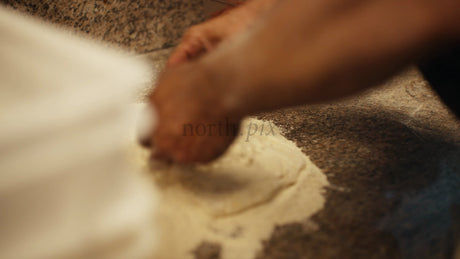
<point x="237" y="200"/>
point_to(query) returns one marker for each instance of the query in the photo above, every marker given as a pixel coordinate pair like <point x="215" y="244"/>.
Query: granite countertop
<point x="392" y="154"/>
<point x="140" y="26"/>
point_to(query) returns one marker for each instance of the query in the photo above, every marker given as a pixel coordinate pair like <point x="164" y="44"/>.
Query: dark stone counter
<point x="392" y="157"/>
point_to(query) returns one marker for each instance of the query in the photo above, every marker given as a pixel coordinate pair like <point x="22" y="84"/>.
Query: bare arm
<point x="294" y="58"/>
<point x="302" y="52"/>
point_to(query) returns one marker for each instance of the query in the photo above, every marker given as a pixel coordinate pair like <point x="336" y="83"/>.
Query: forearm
<point x="312" y="51"/>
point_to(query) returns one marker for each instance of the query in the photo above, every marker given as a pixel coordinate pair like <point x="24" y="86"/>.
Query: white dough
<point x="237" y="200"/>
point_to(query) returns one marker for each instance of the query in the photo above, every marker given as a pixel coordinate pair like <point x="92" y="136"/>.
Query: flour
<point x="237" y="200"/>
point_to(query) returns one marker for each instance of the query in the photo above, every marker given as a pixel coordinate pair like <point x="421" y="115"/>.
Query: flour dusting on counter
<point x="237" y="200"/>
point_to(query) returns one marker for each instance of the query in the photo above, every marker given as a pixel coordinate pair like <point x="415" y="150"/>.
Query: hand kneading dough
<point x="237" y="200"/>
<point x="252" y="172"/>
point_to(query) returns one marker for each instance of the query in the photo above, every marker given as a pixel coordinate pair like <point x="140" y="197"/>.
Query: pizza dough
<point x="251" y="173"/>
<point x="261" y="181"/>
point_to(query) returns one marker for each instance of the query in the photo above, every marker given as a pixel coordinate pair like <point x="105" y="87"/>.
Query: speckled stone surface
<point x="141" y="26"/>
<point x="392" y="154"/>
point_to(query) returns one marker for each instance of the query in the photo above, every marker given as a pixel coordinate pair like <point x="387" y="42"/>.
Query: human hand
<point x="194" y="123"/>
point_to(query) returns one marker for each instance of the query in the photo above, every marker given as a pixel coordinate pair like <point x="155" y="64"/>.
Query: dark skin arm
<point x="301" y="52"/>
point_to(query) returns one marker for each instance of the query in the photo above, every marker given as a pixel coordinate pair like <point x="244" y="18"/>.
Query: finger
<point x="146" y="142"/>
<point x="193" y="45"/>
<point x="187" y="50"/>
<point x="146" y="123"/>
<point x="179" y="56"/>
